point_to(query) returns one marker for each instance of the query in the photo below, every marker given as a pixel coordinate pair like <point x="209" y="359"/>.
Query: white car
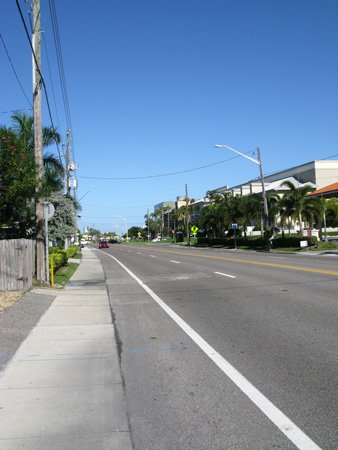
<point x="84" y="241"/>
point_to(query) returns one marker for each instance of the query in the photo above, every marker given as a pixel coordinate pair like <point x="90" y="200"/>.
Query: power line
<point x="16" y="75"/>
<point x="16" y="110"/>
<point x="51" y="80"/>
<point x="60" y="64"/>
<point x="40" y="74"/>
<point x="163" y="174"/>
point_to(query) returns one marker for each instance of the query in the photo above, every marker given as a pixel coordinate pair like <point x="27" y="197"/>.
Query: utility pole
<point x="265" y="202"/>
<point x="67" y="162"/>
<point x="187" y="213"/>
<point x="67" y="180"/>
<point x="148" y="225"/>
<point x="39" y="206"/>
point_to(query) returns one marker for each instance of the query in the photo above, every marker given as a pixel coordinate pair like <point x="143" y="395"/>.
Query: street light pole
<point x="265" y="202"/>
<point x="257" y="161"/>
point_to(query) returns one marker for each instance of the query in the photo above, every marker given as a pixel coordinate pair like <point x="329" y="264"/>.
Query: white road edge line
<point x="152" y="256"/>
<point x="225" y="274"/>
<point x="176" y="262"/>
<point x="286" y="426"/>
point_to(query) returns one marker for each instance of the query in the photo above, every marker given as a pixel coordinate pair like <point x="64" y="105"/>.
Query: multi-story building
<point x="315" y="173"/>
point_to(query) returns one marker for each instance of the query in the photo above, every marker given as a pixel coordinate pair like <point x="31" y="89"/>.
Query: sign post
<point x="234" y="227"/>
<point x="194" y="230"/>
<point x="48" y="213"/>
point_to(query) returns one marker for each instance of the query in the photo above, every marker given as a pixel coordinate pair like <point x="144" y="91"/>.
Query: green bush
<point x="58" y="260"/>
<point x="60" y="257"/>
<point x="72" y="251"/>
<point x="52" y="250"/>
<point x="251" y="242"/>
<point x="292" y="241"/>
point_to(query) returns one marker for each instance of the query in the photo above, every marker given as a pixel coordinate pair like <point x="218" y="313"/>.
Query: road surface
<point x="226" y="350"/>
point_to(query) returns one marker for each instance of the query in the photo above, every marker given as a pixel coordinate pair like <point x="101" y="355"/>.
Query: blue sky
<point x="154" y="84"/>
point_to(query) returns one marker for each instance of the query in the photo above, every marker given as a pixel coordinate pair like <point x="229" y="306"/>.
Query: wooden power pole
<point x="36" y="39"/>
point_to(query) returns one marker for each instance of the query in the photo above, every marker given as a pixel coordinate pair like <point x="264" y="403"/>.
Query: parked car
<point x="103" y="244"/>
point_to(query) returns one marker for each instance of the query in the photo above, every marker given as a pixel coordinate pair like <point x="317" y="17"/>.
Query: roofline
<point x="229" y="188"/>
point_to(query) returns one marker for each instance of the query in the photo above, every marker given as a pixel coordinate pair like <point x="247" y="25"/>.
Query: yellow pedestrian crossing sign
<point x="194" y="229"/>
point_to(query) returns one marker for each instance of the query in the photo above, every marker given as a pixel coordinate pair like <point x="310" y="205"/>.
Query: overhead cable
<point x="16" y="75"/>
<point x="163" y="174"/>
<point x="40" y="74"/>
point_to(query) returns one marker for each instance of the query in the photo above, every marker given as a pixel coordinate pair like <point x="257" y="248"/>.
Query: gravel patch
<point x="8" y="299"/>
<point x="18" y="319"/>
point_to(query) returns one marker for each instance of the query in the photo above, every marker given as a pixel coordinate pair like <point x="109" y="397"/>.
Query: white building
<point x="315" y="173"/>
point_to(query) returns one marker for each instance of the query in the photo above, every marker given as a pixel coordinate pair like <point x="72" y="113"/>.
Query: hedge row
<point x="293" y="241"/>
<point x="60" y="257"/>
<point x="227" y="242"/>
<point x="257" y="242"/>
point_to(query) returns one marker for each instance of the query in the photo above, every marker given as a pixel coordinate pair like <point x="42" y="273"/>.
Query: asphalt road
<point x="224" y="349"/>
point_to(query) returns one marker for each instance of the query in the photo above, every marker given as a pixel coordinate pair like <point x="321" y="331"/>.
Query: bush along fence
<point x="59" y="257"/>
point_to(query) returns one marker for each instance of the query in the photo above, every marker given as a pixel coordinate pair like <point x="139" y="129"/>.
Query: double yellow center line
<point x="246" y="261"/>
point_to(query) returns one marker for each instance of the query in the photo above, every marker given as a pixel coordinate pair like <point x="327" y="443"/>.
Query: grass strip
<point x="63" y="275"/>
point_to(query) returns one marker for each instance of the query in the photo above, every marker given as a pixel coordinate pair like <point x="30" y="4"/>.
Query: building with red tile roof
<point x="327" y="191"/>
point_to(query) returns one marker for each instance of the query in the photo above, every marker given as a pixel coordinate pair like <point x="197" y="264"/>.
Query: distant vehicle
<point x="157" y="239"/>
<point x="84" y="241"/>
<point x="113" y="241"/>
<point x="103" y="244"/>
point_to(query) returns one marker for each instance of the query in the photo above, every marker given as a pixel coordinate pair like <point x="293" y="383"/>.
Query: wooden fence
<point x="17" y="264"/>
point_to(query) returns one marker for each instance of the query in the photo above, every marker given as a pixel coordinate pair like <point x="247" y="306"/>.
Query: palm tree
<point x="274" y="206"/>
<point x="53" y="170"/>
<point x="18" y="173"/>
<point x="294" y="201"/>
<point x="332" y="212"/>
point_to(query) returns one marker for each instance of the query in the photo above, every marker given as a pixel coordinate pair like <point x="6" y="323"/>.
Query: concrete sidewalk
<point x="63" y="388"/>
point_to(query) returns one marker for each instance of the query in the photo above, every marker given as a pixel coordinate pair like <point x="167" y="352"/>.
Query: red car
<point x="103" y="244"/>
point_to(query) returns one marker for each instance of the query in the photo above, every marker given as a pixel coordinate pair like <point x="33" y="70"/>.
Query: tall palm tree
<point x="18" y="173"/>
<point x="274" y="205"/>
<point x="294" y="202"/>
<point x="53" y="170"/>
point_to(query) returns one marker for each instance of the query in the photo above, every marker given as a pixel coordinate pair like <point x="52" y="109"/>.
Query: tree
<point x="134" y="231"/>
<point x="151" y="222"/>
<point x="62" y="225"/>
<point x="17" y="179"/>
<point x="294" y="201"/>
<point x="53" y="170"/>
<point x="216" y="217"/>
<point x="332" y="212"/>
<point x="18" y="174"/>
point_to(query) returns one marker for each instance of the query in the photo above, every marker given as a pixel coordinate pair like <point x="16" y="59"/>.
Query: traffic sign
<point x="234" y="226"/>
<point x="194" y="229"/>
<point x="49" y="210"/>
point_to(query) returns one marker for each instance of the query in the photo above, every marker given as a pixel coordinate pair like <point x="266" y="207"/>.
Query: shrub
<point x="60" y="257"/>
<point x="72" y="251"/>
<point x="57" y="261"/>
<point x="292" y="241"/>
<point x="251" y="242"/>
<point x="52" y="250"/>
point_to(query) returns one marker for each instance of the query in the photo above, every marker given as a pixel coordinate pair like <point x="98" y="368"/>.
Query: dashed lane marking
<point x="272" y="412"/>
<point x="225" y="274"/>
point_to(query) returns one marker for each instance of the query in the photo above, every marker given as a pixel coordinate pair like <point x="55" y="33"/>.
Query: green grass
<point x="326" y="246"/>
<point x="63" y="275"/>
<point x="78" y="256"/>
